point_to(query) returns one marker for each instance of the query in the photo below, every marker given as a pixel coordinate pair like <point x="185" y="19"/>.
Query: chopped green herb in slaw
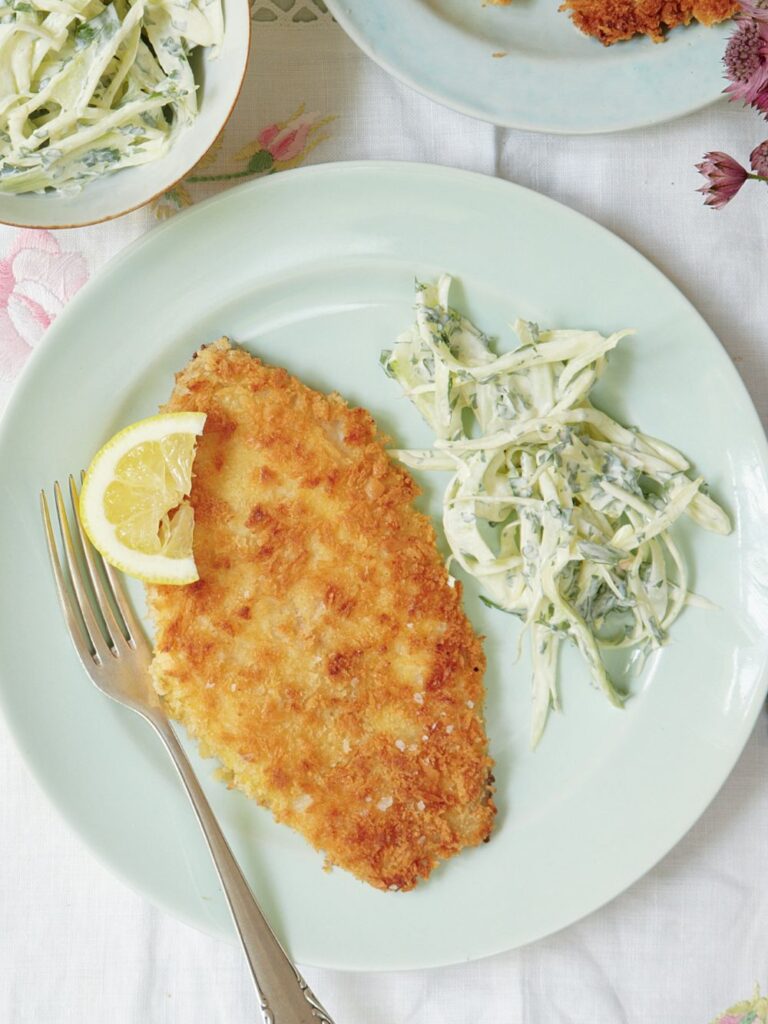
<point x="88" y="87"/>
<point x="562" y="514"/>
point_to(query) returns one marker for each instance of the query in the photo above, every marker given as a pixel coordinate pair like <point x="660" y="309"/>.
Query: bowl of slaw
<point x="112" y="149"/>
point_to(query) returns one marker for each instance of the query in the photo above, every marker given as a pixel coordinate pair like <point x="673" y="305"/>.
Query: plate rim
<point x="401" y="74"/>
<point x="60" y="327"/>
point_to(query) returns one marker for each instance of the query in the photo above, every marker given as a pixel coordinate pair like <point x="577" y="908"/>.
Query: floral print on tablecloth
<point x="37" y="279"/>
<point x="38" y="275"/>
<point x="279" y="146"/>
<point x="751" y="1011"/>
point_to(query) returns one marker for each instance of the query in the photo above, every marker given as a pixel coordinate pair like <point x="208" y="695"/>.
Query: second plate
<point x="527" y="66"/>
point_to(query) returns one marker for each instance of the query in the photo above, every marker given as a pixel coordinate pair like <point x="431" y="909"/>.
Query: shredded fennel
<point x="88" y="87"/>
<point x="562" y="514"/>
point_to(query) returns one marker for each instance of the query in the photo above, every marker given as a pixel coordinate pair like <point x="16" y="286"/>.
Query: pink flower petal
<point x="724" y="177"/>
<point x="29" y="238"/>
<point x="267" y="134"/>
<point x="36" y="280"/>
<point x="72" y="275"/>
<point x="7" y="282"/>
<point x="755" y="9"/>
<point x="62" y="273"/>
<point x="291" y="143"/>
<point x="29" y="318"/>
<point x="758" y="159"/>
<point x="14" y="352"/>
<point x="39" y="294"/>
<point x="746" y="62"/>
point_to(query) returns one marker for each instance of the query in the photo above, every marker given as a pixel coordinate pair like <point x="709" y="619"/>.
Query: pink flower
<point x="724" y="178"/>
<point x="285" y="143"/>
<point x="746" y="64"/>
<point x="36" y="281"/>
<point x="729" y="1018"/>
<point x="755" y="9"/>
<point x="758" y="159"/>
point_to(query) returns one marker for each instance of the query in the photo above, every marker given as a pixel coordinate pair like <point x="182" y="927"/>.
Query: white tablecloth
<point x="685" y="942"/>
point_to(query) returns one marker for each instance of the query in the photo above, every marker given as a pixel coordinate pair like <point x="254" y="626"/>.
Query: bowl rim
<point x="145" y="202"/>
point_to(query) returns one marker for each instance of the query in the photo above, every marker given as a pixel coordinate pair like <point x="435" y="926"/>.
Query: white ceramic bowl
<point x="119" y="193"/>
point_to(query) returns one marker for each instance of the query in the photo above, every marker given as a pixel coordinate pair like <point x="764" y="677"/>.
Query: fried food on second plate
<point x="613" y="20"/>
<point x="323" y="656"/>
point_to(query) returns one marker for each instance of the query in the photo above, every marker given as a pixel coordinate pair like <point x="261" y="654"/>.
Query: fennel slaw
<point x="88" y="88"/>
<point x="562" y="514"/>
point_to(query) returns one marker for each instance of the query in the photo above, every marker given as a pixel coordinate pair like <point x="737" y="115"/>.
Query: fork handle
<point x="284" y="996"/>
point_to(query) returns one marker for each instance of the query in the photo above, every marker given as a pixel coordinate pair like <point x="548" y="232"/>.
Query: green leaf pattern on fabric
<point x="750" y="1011"/>
<point x="279" y="146"/>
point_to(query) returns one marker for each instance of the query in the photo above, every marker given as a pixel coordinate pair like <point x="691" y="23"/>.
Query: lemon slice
<point x="132" y="504"/>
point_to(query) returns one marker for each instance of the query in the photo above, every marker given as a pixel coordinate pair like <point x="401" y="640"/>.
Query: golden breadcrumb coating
<point x="613" y="20"/>
<point x="322" y="657"/>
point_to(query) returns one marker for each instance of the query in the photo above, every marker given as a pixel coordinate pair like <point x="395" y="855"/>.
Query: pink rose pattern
<point x="286" y="143"/>
<point x="37" y="279"/>
<point x="279" y="146"/>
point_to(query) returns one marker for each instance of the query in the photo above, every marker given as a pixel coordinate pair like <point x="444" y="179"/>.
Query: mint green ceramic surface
<point x="313" y="269"/>
<point x="527" y="66"/>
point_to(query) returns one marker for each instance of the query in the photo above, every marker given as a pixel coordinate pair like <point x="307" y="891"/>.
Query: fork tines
<point x="98" y="615"/>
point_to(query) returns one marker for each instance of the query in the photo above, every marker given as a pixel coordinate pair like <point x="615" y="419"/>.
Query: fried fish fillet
<point x="613" y="20"/>
<point x="322" y="656"/>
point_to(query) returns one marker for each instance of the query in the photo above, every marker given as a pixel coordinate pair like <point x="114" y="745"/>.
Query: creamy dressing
<point x="88" y="88"/>
<point x="561" y="513"/>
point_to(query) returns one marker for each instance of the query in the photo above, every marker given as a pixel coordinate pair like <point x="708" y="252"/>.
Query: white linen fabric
<point x="76" y="946"/>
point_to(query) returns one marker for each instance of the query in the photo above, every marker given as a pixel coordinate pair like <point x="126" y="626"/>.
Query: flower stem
<point x="758" y="177"/>
<point x="196" y="179"/>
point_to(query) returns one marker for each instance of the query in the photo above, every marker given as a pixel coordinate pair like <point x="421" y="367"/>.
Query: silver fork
<point x="116" y="655"/>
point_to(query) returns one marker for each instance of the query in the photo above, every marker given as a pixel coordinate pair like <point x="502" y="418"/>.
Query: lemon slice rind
<point x="151" y="568"/>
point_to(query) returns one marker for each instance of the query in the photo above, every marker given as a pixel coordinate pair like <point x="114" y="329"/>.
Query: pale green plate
<point x="527" y="66"/>
<point x="314" y="270"/>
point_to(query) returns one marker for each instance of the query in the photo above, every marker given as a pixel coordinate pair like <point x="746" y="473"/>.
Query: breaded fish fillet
<point x="613" y="20"/>
<point x="322" y="657"/>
